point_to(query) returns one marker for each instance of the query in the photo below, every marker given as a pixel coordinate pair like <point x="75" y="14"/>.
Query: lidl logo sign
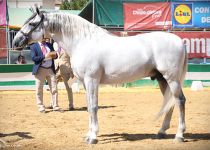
<point x="191" y="14"/>
<point x="182" y="14"/>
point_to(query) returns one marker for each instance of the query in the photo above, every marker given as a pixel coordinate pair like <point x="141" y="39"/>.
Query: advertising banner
<point x="201" y="12"/>
<point x="147" y="16"/>
<point x="191" y="14"/>
<point x="3" y="13"/>
<point x="3" y="43"/>
<point x="197" y="43"/>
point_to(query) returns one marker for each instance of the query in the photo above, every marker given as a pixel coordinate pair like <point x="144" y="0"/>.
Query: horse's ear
<point x="31" y="9"/>
<point x="37" y="9"/>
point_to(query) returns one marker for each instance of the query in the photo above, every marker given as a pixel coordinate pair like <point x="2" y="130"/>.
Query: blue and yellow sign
<point x="182" y="15"/>
<point x="191" y="14"/>
<point x="201" y="14"/>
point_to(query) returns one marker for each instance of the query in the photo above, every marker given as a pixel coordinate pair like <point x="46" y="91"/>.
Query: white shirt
<point x="46" y="63"/>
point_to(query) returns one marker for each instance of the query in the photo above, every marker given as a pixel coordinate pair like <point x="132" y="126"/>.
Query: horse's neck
<point x="69" y="37"/>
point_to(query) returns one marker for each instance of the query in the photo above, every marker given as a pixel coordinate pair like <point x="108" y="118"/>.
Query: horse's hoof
<point x="179" y="139"/>
<point x="161" y="136"/>
<point x="91" y="141"/>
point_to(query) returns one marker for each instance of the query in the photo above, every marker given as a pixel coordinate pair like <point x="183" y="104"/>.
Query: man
<point x="43" y="55"/>
<point x="64" y="71"/>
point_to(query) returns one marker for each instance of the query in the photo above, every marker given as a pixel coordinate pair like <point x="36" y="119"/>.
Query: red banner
<point x="147" y="16"/>
<point x="197" y="43"/>
<point x="3" y="43"/>
<point x="3" y="13"/>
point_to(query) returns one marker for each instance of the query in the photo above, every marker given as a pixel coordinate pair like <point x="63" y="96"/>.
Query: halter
<point x="35" y="27"/>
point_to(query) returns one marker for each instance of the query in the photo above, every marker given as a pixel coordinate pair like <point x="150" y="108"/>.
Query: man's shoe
<point x="71" y="108"/>
<point x="56" y="108"/>
<point x="42" y="110"/>
<point x="49" y="107"/>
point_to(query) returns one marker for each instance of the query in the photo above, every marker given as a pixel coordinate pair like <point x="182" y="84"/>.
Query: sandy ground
<point x="126" y="121"/>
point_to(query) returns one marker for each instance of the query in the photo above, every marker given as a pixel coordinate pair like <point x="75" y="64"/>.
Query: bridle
<point x="26" y="35"/>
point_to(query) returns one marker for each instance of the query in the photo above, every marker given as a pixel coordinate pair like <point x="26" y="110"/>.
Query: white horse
<point x="98" y="57"/>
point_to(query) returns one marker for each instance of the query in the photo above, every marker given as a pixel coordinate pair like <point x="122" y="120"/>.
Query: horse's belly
<point x="111" y="79"/>
<point x="126" y="68"/>
<point x="124" y="76"/>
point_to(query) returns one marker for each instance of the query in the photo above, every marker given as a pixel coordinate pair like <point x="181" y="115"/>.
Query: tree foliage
<point x="73" y="4"/>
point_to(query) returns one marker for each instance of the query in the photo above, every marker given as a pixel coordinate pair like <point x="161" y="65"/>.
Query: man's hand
<point x="51" y="55"/>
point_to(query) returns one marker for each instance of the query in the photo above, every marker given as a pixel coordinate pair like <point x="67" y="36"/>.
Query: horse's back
<point x="161" y="40"/>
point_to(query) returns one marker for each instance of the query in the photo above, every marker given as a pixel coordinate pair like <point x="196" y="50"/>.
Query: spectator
<point x="21" y="60"/>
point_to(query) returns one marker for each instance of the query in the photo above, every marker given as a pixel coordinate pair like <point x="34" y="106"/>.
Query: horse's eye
<point x="32" y="24"/>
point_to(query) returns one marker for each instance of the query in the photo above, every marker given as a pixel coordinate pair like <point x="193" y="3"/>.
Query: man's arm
<point x="34" y="54"/>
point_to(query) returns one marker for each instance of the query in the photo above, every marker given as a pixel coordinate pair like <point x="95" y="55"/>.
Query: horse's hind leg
<point x="176" y="90"/>
<point x="165" y="90"/>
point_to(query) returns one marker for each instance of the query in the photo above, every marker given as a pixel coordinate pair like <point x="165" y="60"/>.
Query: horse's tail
<point x="169" y="100"/>
<point x="185" y="66"/>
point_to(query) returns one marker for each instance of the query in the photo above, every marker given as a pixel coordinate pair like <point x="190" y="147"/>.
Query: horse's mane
<point x="71" y="25"/>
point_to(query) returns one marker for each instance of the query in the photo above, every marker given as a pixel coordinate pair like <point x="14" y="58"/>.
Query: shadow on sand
<point x="24" y="135"/>
<point x="85" y="108"/>
<point x="118" y="137"/>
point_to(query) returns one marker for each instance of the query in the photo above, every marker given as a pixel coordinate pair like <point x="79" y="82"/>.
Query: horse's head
<point x="32" y="30"/>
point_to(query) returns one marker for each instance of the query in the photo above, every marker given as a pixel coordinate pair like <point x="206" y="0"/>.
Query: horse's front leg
<point x="92" y="100"/>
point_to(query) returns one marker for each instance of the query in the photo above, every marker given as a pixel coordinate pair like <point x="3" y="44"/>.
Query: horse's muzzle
<point x="20" y="41"/>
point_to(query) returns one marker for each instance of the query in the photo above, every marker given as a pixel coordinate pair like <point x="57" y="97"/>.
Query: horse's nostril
<point x="15" y="44"/>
